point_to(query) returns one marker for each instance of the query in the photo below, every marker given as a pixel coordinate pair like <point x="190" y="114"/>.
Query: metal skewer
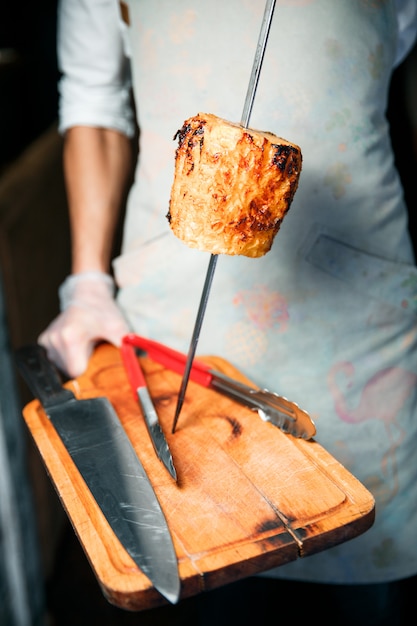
<point x="247" y="110"/>
<point x="195" y="336"/>
<point x="257" y="62"/>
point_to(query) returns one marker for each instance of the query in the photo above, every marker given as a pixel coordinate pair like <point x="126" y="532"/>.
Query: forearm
<point x="97" y="166"/>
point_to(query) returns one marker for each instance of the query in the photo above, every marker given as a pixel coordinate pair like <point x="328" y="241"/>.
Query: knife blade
<point x="103" y="454"/>
<point x="140" y="392"/>
<point x="247" y="110"/>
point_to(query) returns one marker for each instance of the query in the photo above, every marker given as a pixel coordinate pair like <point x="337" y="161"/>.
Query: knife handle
<point x="41" y="375"/>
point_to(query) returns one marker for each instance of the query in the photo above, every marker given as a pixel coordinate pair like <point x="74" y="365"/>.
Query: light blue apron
<point x="328" y="316"/>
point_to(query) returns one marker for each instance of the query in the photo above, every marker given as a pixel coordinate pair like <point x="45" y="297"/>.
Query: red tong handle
<point x="133" y="368"/>
<point x="168" y="357"/>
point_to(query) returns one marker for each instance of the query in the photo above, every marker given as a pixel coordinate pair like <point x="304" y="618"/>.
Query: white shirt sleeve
<point x="94" y="89"/>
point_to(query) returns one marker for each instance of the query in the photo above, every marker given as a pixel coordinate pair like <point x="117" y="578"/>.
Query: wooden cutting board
<point x="248" y="496"/>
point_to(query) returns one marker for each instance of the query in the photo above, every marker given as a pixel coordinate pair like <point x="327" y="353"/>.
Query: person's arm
<point x="97" y="163"/>
<point x="97" y="120"/>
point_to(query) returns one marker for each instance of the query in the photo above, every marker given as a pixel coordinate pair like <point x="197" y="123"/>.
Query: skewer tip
<point x="177" y="414"/>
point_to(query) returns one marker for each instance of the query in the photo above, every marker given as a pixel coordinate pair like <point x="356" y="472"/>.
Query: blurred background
<point x="34" y="258"/>
<point x="45" y="579"/>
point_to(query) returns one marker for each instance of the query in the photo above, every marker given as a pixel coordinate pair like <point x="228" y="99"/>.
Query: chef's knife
<point x="102" y="452"/>
<point x="247" y="110"/>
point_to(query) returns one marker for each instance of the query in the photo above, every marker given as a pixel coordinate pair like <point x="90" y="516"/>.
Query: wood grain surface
<point x="248" y="496"/>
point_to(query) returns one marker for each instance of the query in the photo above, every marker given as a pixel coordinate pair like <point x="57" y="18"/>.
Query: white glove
<point x="89" y="314"/>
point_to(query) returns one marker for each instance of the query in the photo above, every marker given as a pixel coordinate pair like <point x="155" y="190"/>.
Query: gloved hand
<point x="89" y="314"/>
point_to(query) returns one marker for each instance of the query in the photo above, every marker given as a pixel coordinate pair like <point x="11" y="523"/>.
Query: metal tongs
<point x="270" y="406"/>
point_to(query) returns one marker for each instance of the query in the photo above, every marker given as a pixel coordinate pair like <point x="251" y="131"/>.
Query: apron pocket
<point x="388" y="281"/>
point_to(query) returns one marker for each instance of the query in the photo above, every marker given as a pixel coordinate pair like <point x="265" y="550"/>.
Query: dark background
<point x="34" y="259"/>
<point x="28" y="74"/>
